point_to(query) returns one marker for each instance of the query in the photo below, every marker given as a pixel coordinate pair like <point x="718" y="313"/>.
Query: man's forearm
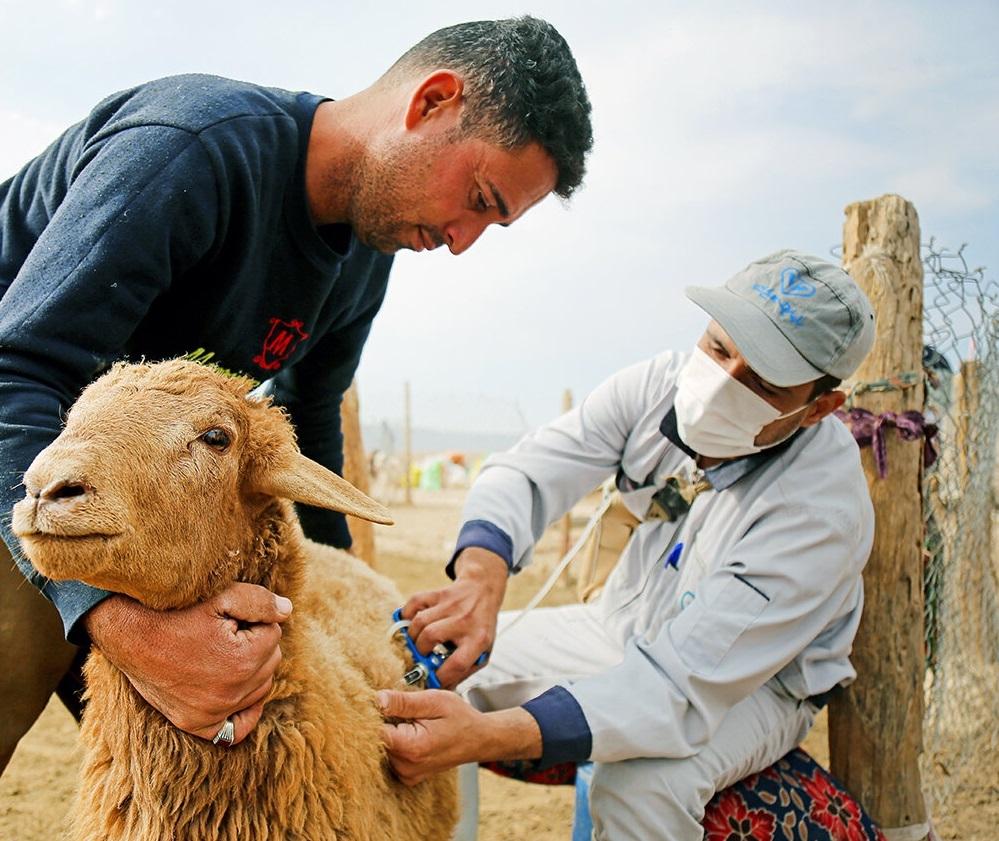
<point x="509" y="734"/>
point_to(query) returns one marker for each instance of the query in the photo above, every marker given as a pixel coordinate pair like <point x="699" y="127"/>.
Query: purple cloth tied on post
<point x="869" y="430"/>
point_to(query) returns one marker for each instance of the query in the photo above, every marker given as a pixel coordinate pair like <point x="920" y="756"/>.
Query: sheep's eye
<point x="216" y="438"/>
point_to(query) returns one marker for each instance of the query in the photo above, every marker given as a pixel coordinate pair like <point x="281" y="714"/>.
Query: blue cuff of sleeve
<point x="565" y="735"/>
<point x="484" y="534"/>
<point x="73" y="599"/>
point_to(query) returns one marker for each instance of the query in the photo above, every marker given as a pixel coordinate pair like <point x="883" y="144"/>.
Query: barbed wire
<point x="964" y="304"/>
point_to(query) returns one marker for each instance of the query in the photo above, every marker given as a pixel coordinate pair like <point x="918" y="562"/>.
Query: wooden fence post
<point x="875" y="728"/>
<point x="967" y="568"/>
<point x="357" y="472"/>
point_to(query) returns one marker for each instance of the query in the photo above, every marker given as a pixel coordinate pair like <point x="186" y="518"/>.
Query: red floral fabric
<point x="731" y="819"/>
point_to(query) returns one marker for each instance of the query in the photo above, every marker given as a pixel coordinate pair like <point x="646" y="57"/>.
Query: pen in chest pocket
<point x="673" y="558"/>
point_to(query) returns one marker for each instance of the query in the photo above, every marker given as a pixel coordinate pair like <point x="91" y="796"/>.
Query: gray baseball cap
<point x="793" y="317"/>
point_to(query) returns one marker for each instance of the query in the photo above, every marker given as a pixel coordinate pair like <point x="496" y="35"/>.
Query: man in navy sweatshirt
<point x="252" y="227"/>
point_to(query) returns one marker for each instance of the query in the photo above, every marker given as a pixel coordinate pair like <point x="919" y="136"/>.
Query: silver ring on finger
<point x="226" y="735"/>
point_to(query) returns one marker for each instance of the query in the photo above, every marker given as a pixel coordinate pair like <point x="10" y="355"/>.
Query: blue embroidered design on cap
<point x="791" y="283"/>
<point x="785" y="308"/>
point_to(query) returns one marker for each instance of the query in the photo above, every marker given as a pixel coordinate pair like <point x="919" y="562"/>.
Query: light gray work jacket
<point x="766" y="585"/>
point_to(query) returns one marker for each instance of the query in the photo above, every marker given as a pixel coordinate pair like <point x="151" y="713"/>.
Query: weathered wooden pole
<point x="567" y="519"/>
<point x="408" y="433"/>
<point x="968" y="571"/>
<point x="356" y="471"/>
<point x="876" y="727"/>
<point x="967" y="390"/>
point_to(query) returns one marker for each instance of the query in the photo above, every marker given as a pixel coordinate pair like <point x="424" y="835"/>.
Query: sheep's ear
<point x="303" y="480"/>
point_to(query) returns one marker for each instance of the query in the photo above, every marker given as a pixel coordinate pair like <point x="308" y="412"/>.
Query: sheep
<point x="153" y="502"/>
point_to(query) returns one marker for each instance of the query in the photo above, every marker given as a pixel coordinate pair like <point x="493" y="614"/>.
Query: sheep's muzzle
<point x="61" y="522"/>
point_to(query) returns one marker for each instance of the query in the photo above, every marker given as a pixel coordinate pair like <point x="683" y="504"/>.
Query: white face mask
<point x="718" y="416"/>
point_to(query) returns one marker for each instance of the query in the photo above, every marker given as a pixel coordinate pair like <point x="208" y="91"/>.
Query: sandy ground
<point x="35" y="791"/>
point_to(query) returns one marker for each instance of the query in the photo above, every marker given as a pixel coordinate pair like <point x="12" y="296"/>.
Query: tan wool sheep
<point x="148" y="503"/>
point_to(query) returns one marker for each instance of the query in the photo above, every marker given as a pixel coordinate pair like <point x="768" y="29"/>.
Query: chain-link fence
<point x="961" y="511"/>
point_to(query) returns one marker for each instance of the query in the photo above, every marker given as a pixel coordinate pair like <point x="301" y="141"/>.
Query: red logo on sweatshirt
<point x="281" y="341"/>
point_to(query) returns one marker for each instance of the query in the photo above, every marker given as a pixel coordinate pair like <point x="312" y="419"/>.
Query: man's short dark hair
<point x="521" y="85"/>
<point x="827" y="382"/>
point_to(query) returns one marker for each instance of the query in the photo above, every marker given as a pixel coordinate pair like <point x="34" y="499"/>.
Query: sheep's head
<point x="158" y="479"/>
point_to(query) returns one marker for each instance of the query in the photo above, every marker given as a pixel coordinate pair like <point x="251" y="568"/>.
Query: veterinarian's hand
<point x="201" y="664"/>
<point x="463" y="613"/>
<point x="441" y="731"/>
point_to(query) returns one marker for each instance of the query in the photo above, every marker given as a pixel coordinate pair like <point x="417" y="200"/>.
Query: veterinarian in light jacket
<point x="723" y="627"/>
<point x="252" y="227"/>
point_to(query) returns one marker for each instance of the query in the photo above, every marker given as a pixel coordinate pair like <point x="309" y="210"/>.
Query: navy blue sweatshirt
<point x="174" y="221"/>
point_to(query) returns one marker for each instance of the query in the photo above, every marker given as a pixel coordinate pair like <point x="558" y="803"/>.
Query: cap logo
<point x="791" y="283"/>
<point x="785" y="309"/>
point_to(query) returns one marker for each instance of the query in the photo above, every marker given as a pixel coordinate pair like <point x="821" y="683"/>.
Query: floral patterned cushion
<point x="794" y="799"/>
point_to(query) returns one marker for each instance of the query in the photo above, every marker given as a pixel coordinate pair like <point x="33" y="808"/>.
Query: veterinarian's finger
<point x="402" y="768"/>
<point x="407" y="748"/>
<point x="390" y="737"/>
<point x="467" y="632"/>
<point x="446" y="622"/>
<point x="426" y="628"/>
<point x="429" y="703"/>
<point x="420" y="601"/>
<point x="406" y="774"/>
<point x="462" y="662"/>
<point x="253" y="604"/>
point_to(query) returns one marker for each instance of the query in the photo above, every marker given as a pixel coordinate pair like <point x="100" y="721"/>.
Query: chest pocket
<point x="711" y="624"/>
<point x="691" y="572"/>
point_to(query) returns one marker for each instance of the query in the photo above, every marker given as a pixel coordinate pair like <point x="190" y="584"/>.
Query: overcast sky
<point x="724" y="131"/>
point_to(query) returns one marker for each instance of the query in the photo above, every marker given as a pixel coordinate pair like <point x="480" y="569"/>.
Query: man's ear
<point x="440" y="96"/>
<point x="825" y="404"/>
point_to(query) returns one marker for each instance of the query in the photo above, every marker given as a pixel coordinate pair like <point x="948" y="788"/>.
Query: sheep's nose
<point x="60" y="491"/>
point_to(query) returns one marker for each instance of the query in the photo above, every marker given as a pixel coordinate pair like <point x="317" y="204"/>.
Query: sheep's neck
<point x="272" y="557"/>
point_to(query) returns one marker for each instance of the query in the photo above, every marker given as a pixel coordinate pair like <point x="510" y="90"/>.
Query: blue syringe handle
<point x="428" y="664"/>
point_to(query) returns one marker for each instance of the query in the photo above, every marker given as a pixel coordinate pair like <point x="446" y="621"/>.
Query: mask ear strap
<point x="799" y="409"/>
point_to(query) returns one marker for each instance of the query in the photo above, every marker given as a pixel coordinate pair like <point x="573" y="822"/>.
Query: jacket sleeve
<point x="520" y="492"/>
<point x="312" y="392"/>
<point x="140" y="206"/>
